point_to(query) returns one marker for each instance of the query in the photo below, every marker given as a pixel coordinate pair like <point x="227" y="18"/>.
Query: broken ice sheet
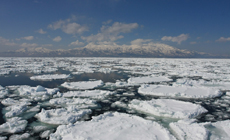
<point x="167" y="108"/>
<point x="83" y="85"/>
<point x="61" y="115"/>
<point x="13" y="125"/>
<point x="179" y="91"/>
<point x="50" y="77"/>
<point x="113" y="126"/>
<point x="189" y="130"/>
<point x="95" y="94"/>
<point x="148" y="79"/>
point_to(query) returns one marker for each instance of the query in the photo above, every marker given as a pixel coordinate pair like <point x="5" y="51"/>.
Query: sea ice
<point x="189" y="130"/>
<point x="50" y="77"/>
<point x="15" y="110"/>
<point x="219" y="130"/>
<point x="113" y="126"/>
<point x="83" y="84"/>
<point x="13" y="125"/>
<point x="74" y="101"/>
<point x="3" y="92"/>
<point x="179" y="91"/>
<point x="96" y="94"/>
<point x="38" y="93"/>
<point x="147" y="79"/>
<point x="24" y="136"/>
<point x="61" y="115"/>
<point x="168" y="108"/>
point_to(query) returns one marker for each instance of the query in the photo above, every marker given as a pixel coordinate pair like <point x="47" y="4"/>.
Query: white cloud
<point x="74" y="28"/>
<point x="68" y="26"/>
<point x="222" y="39"/>
<point x="26" y="45"/>
<point x="6" y="42"/>
<point x="57" y="39"/>
<point x="76" y="43"/>
<point x="111" y="33"/>
<point x="41" y="31"/>
<point x="139" y="42"/>
<point x="28" y="37"/>
<point x="177" y="39"/>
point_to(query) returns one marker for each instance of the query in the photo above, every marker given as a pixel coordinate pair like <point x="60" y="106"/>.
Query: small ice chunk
<point x="3" y="92"/>
<point x="50" y="77"/>
<point x="24" y="136"/>
<point x="148" y="79"/>
<point x="97" y="94"/>
<point x="83" y="84"/>
<point x="61" y="115"/>
<point x="180" y="91"/>
<point x="46" y="134"/>
<point x="113" y="126"/>
<point x="13" y="125"/>
<point x="189" y="130"/>
<point x="168" y="108"/>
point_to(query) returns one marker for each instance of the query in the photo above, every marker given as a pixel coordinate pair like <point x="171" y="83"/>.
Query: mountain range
<point x="156" y="50"/>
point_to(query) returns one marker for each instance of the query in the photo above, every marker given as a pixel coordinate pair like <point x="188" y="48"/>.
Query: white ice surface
<point x="189" y="130"/>
<point x="24" y="136"/>
<point x="96" y="94"/>
<point x="83" y="84"/>
<point x="83" y="103"/>
<point x="179" y="91"/>
<point x="167" y="108"/>
<point x="3" y="92"/>
<point x="113" y="126"/>
<point x="13" y="125"/>
<point x="38" y="93"/>
<point x="61" y="115"/>
<point x="219" y="130"/>
<point x="16" y="110"/>
<point x="50" y="77"/>
<point x="147" y="79"/>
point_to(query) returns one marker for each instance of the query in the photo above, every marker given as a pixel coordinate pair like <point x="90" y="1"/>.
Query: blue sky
<point x="198" y="25"/>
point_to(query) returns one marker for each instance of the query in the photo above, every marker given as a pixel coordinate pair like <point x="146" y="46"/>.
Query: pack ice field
<point x="114" y="98"/>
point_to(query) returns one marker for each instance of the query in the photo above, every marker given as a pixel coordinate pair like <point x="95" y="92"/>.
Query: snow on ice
<point x="167" y="108"/>
<point x="83" y="84"/>
<point x="179" y="91"/>
<point x="113" y="126"/>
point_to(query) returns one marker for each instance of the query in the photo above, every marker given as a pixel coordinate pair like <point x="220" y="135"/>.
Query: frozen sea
<point x="114" y="98"/>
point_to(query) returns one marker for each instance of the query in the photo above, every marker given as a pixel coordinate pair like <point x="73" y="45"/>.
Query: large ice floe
<point x="49" y="77"/>
<point x="113" y="126"/>
<point x="168" y="108"/>
<point x="189" y="130"/>
<point x="38" y="93"/>
<point x="147" y="79"/>
<point x="83" y="85"/>
<point x="61" y="115"/>
<point x="179" y="91"/>
<point x="95" y="94"/>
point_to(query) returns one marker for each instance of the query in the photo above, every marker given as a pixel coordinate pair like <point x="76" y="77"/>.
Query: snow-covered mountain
<point x="110" y="50"/>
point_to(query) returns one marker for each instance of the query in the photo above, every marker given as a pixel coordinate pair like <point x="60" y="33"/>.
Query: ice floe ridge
<point x="114" y="98"/>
